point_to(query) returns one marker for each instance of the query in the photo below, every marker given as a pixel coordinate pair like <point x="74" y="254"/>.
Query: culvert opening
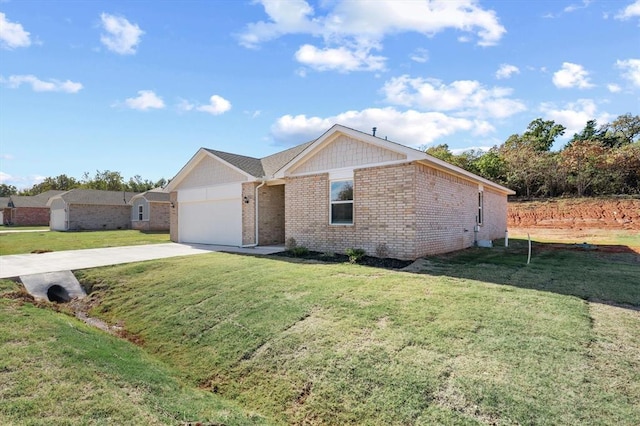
<point x="58" y="294"/>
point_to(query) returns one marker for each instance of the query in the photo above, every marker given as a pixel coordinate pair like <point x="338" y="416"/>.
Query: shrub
<point x="299" y="251"/>
<point x="382" y="250"/>
<point x="355" y="254"/>
<point x="291" y="243"/>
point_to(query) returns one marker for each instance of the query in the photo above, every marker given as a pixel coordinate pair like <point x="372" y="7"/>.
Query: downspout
<point x="256" y="215"/>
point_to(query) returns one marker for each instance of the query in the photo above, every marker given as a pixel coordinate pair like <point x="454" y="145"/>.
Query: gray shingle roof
<point x="4" y="202"/>
<point x="97" y="197"/>
<point x="260" y="167"/>
<point x="156" y="196"/>
<point x="250" y="165"/>
<point x="39" y="200"/>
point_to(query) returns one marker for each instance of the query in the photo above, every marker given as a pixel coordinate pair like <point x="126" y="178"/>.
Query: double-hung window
<point x="342" y="202"/>
<point x="140" y="212"/>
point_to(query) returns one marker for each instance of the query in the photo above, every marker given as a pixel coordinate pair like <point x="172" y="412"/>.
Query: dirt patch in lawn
<point x="576" y="213"/>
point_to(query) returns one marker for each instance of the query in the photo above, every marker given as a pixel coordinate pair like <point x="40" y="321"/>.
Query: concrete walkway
<point x="28" y="264"/>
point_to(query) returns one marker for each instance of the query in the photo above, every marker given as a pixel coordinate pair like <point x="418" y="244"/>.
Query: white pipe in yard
<point x="529" y="258"/>
<point x="506" y="238"/>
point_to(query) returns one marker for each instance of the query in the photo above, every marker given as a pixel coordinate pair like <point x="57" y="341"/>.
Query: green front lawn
<point x="56" y="370"/>
<point x="477" y="338"/>
<point x="29" y="242"/>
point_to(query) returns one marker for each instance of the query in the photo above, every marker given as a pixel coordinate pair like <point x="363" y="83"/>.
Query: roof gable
<point x="360" y="148"/>
<point x="344" y="151"/>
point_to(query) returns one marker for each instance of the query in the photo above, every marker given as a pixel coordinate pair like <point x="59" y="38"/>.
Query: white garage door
<point x="211" y="216"/>
<point x="57" y="220"/>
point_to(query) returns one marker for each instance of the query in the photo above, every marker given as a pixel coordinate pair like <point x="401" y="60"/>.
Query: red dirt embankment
<point x="575" y="213"/>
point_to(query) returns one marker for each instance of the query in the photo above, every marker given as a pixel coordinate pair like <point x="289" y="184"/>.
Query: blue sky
<point x="138" y="86"/>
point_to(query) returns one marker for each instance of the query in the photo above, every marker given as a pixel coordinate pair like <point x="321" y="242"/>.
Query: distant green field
<point x="28" y="242"/>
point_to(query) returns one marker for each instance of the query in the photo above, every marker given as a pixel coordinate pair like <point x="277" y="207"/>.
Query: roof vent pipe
<point x="374" y="131"/>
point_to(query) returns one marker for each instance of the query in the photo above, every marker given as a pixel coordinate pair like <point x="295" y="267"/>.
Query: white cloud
<point x="631" y="11"/>
<point x="21" y="182"/>
<point x="409" y="127"/>
<point x="571" y="75"/>
<point x="506" y="71"/>
<point x="464" y="97"/>
<point x="574" y="7"/>
<point x="146" y="99"/>
<point x="5" y="177"/>
<point x="37" y="85"/>
<point x="185" y="106"/>
<point x="339" y="59"/>
<point x="217" y="105"/>
<point x="631" y="70"/>
<point x="352" y="29"/>
<point x="420" y="55"/>
<point x="574" y="115"/>
<point x="121" y="35"/>
<point x="614" y="88"/>
<point x="12" y="34"/>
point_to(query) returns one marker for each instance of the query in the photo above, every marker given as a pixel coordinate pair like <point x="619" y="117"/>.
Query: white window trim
<point x="140" y="212"/>
<point x="331" y="203"/>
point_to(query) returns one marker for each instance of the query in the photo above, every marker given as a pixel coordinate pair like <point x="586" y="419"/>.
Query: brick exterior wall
<point x="271" y="220"/>
<point x="249" y="213"/>
<point x="92" y="217"/>
<point x="413" y="209"/>
<point x="158" y="217"/>
<point x="271" y="217"/>
<point x="447" y="207"/>
<point x="384" y="212"/>
<point x="173" y="216"/>
<point x="28" y="216"/>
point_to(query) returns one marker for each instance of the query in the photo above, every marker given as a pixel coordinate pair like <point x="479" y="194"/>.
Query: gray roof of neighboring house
<point x="260" y="167"/>
<point x="4" y="202"/>
<point x="97" y="197"/>
<point x="155" y="196"/>
<point x="38" y="200"/>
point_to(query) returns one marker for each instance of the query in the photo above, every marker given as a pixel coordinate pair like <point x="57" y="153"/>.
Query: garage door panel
<point x="211" y="222"/>
<point x="57" y="220"/>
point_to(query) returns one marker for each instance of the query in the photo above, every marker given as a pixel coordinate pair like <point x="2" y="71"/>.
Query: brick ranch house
<point x="346" y="189"/>
<point x="90" y="209"/>
<point x="28" y="210"/>
<point x="150" y="211"/>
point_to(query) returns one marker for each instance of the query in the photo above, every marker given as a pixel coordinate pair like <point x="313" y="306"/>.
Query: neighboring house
<point x="28" y="210"/>
<point x="4" y="204"/>
<point x="346" y="189"/>
<point x="150" y="211"/>
<point x="90" y="209"/>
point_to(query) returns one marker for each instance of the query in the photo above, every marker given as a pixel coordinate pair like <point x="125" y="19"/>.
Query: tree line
<point x="106" y="180"/>
<point x="600" y="160"/>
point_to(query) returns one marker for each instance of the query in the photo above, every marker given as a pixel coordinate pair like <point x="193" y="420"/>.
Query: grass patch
<point x="478" y="337"/>
<point x="55" y="369"/>
<point x="29" y="242"/>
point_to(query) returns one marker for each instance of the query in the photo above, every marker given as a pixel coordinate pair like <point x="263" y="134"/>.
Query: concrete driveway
<point x="28" y="264"/>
